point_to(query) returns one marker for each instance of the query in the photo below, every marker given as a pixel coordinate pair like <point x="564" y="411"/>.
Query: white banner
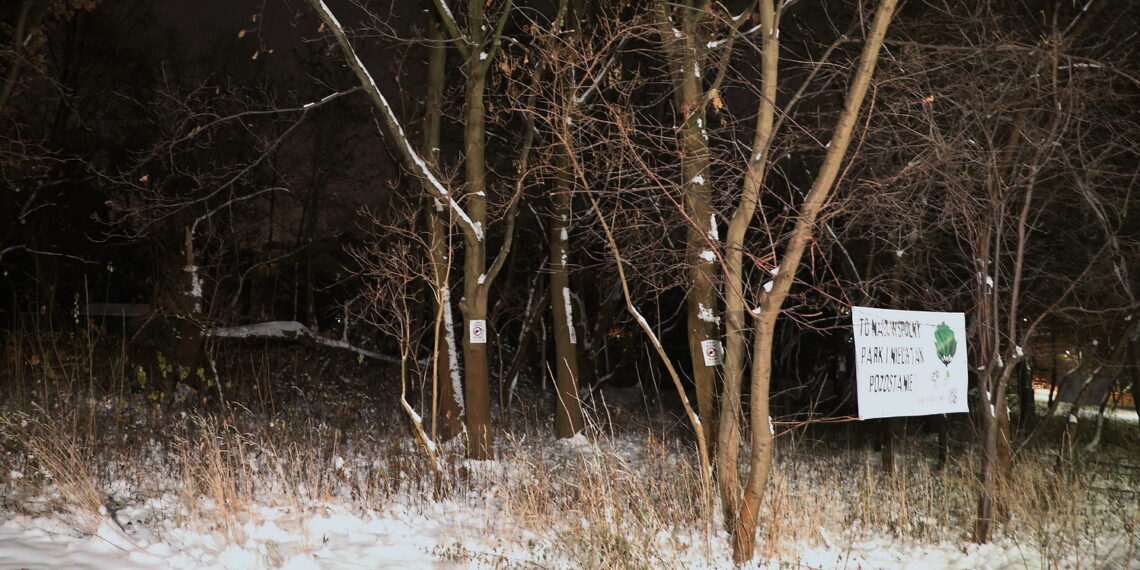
<point x="909" y="363"/>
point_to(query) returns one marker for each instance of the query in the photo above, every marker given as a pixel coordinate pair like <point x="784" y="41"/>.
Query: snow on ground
<point x="449" y="536"/>
<point x="1117" y="413"/>
<point x="885" y="553"/>
<point x="479" y="527"/>
<point x="335" y="538"/>
<point x="469" y="532"/>
<point x="330" y="538"/>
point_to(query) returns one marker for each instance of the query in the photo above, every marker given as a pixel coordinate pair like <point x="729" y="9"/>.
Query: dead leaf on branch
<point x="717" y="102"/>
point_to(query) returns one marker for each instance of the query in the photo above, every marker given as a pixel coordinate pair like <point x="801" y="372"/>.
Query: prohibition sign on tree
<point x="478" y="331"/>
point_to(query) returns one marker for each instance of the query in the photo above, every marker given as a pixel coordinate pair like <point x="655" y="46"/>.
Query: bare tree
<point x="448" y="405"/>
<point x="991" y="130"/>
<point x="742" y="502"/>
<point x="398" y="271"/>
<point x="626" y="130"/>
<point x="685" y="37"/>
<point x="538" y="82"/>
<point x="478" y="45"/>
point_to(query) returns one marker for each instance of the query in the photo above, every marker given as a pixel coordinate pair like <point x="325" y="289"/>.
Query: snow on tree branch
<point x="416" y="163"/>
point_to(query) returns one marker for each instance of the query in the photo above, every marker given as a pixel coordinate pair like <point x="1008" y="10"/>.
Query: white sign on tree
<point x="711" y="351"/>
<point x="909" y="363"/>
<point x="478" y="331"/>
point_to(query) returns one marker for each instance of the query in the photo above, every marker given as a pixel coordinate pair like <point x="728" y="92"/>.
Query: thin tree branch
<point x="414" y="162"/>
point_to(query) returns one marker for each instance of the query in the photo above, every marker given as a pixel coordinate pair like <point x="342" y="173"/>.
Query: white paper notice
<point x="710" y="349"/>
<point x="478" y="331"/>
<point x="909" y="363"/>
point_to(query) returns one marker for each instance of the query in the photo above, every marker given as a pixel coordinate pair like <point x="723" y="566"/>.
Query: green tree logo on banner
<point x="945" y="345"/>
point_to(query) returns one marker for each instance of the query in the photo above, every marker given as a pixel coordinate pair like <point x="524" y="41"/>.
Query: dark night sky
<point x="277" y="25"/>
<point x="290" y="72"/>
<point x="199" y="23"/>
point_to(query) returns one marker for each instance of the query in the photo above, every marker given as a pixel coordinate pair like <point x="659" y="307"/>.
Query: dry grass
<point x="60" y="460"/>
<point x="630" y="502"/>
<point x="625" y="496"/>
<point x="605" y="504"/>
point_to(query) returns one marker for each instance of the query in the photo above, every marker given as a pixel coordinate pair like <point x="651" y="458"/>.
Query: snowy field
<point x="445" y="535"/>
<point x="116" y="484"/>
<point x="487" y="525"/>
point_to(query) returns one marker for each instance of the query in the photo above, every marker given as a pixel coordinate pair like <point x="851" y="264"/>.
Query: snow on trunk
<point x="453" y="360"/>
<point x="195" y="291"/>
<point x="569" y="308"/>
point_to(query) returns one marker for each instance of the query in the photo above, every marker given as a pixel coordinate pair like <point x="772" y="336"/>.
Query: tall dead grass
<point x="620" y="496"/>
<point x="596" y="501"/>
<point x="58" y="463"/>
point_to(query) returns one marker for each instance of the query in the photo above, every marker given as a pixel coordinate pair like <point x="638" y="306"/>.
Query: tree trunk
<point x="687" y="55"/>
<point x="474" y="303"/>
<point x="943" y="441"/>
<point x="989" y="479"/>
<point x="763" y="439"/>
<point x="702" y="303"/>
<point x="731" y="414"/>
<point x="889" y="435"/>
<point x="890" y="426"/>
<point x="190" y="336"/>
<point x="1026" y="396"/>
<point x="448" y="387"/>
<point x="771" y="302"/>
<point x="568" y="419"/>
<point x="997" y="454"/>
<point x="1003" y="445"/>
<point x="477" y="385"/>
<point x="702" y="240"/>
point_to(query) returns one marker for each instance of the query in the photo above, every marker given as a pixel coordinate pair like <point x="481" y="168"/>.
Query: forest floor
<point x="316" y="469"/>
